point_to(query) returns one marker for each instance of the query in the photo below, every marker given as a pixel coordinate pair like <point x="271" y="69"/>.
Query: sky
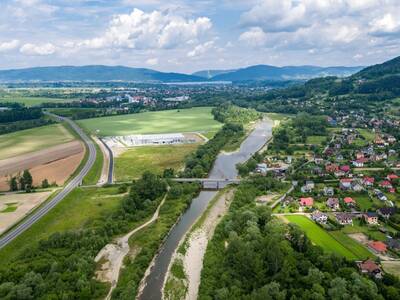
<point x="187" y="36"/>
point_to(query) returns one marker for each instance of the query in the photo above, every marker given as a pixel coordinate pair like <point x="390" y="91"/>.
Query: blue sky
<point x="185" y="36"/>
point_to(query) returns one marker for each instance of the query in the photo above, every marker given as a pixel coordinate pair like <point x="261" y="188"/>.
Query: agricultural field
<point x="32" y="101"/>
<point x="132" y="163"/>
<point x="35" y="139"/>
<point x="80" y="207"/>
<point x="167" y="121"/>
<point x="328" y="242"/>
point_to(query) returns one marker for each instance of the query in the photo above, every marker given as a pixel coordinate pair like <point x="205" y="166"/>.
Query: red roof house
<point x="392" y="177"/>
<point x="345" y="168"/>
<point x="386" y="184"/>
<point x="369" y="181"/>
<point x="349" y="200"/>
<point x="378" y="246"/>
<point x="331" y="168"/>
<point x="306" y="201"/>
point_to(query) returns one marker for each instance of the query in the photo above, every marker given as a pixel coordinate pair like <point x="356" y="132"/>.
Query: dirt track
<point x="30" y="160"/>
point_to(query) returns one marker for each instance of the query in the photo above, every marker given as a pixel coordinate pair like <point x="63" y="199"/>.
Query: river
<point x="224" y="167"/>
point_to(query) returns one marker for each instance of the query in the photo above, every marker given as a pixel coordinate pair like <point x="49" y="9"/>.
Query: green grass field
<point x="93" y="176"/>
<point x="323" y="239"/>
<point x="132" y="163"/>
<point x="167" y="121"/>
<point x="78" y="208"/>
<point x="316" y="139"/>
<point x="32" y="101"/>
<point x="29" y="140"/>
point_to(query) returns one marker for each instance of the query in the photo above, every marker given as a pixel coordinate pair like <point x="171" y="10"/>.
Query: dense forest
<point x="198" y="164"/>
<point x="255" y="256"/>
<point x="62" y="266"/>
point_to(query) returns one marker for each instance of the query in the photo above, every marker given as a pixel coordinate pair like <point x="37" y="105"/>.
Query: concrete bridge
<point x="210" y="183"/>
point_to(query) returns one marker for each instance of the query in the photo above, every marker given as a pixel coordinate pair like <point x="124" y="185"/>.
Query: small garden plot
<point x="9" y="207"/>
<point x="316" y="139"/>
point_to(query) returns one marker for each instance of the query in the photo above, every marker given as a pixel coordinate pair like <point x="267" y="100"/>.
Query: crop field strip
<point x="335" y="242"/>
<point x="168" y="121"/>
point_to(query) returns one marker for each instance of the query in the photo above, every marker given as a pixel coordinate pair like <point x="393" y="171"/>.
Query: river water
<point x="224" y="168"/>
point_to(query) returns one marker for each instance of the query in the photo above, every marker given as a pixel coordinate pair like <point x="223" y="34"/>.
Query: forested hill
<point x="93" y="73"/>
<point x="391" y="67"/>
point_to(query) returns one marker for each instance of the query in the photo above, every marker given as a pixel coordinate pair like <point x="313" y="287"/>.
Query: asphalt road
<point x="72" y="184"/>
<point x="110" y="175"/>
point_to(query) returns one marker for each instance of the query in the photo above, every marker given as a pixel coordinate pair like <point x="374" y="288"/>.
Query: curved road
<point x="76" y="181"/>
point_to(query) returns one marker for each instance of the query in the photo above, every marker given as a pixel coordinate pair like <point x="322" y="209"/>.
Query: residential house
<point x="377" y="247"/>
<point x="308" y="187"/>
<point x="345" y="183"/>
<point x="262" y="168"/>
<point x="381" y="196"/>
<point x="359" y="163"/>
<point x="329" y="191"/>
<point x="370" y="267"/>
<point x="393" y="244"/>
<point x="308" y="202"/>
<point x="349" y="201"/>
<point x="331" y="168"/>
<point x="345" y="168"/>
<point x="392" y="177"/>
<point x="318" y="160"/>
<point x="371" y="218"/>
<point x="333" y="203"/>
<point x="386" y="184"/>
<point x="344" y="218"/>
<point x="368" y="181"/>
<point x="319" y="217"/>
<point x="355" y="186"/>
<point x="386" y="212"/>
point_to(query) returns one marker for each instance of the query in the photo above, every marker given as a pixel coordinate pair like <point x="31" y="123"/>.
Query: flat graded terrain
<point x="81" y="206"/>
<point x="21" y="205"/>
<point x="167" y="121"/>
<point x="320" y="237"/>
<point x="30" y="140"/>
<point x="133" y="162"/>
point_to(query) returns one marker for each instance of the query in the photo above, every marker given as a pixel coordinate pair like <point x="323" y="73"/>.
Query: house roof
<point x="344" y="216"/>
<point x="345" y="168"/>
<point x="348" y="200"/>
<point x="392" y="176"/>
<point x="309" y="201"/>
<point x="371" y="214"/>
<point x="385" y="183"/>
<point x="369" y="179"/>
<point x="346" y="180"/>
<point x="332" y="201"/>
<point x="378" y="246"/>
<point x="369" y="266"/>
<point x="387" y="210"/>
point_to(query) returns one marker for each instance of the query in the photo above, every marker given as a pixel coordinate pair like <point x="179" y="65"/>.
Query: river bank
<point x="183" y="276"/>
<point x="224" y="168"/>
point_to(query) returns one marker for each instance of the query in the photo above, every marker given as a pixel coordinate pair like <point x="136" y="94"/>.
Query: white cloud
<point x="385" y="25"/>
<point x="8" y="46"/>
<point x="254" y="37"/>
<point x="155" y="30"/>
<point x="201" y="49"/>
<point x="32" y="49"/>
<point x="152" y="61"/>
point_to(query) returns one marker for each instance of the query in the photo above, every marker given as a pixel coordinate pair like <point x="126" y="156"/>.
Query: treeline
<point x="62" y="266"/>
<point x="198" y="164"/>
<point x="253" y="255"/>
<point x="228" y="113"/>
<point x="20" y="114"/>
<point x="21" y="125"/>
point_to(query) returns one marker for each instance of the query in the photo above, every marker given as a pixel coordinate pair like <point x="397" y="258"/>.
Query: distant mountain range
<point x="265" y="72"/>
<point x="121" y="73"/>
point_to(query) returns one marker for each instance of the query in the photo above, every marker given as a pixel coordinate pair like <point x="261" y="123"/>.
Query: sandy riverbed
<point x="196" y="246"/>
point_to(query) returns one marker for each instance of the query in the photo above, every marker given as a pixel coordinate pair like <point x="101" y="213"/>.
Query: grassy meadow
<point x="132" y="163"/>
<point x="336" y="242"/>
<point x="34" y="139"/>
<point x="78" y="208"/>
<point x="167" y="121"/>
